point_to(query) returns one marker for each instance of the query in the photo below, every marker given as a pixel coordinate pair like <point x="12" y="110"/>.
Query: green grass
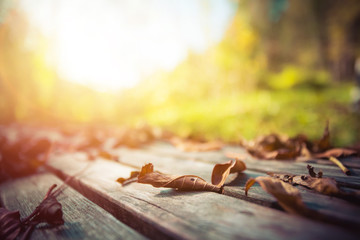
<point x="260" y="112"/>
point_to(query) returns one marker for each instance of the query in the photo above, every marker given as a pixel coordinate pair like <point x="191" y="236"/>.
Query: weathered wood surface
<point x="339" y="211"/>
<point x="83" y="219"/>
<point x="168" y="214"/>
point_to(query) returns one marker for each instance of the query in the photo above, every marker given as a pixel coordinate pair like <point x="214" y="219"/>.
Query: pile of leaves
<point x="49" y="211"/>
<point x="278" y="147"/>
<point x="25" y="150"/>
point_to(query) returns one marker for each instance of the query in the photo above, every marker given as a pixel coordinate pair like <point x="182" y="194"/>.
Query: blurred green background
<point x="284" y="66"/>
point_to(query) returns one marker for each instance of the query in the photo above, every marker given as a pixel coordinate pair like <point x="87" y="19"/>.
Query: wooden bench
<point x="95" y="206"/>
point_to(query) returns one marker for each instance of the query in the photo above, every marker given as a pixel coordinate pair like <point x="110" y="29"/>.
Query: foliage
<point x="230" y="91"/>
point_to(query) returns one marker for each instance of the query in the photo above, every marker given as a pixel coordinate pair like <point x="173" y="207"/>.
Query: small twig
<point x="68" y="179"/>
<point x="50" y="190"/>
<point x="340" y="165"/>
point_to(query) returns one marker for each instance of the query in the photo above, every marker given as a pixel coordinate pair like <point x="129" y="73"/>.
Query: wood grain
<point x="339" y="211"/>
<point x="169" y="214"/>
<point x="83" y="219"/>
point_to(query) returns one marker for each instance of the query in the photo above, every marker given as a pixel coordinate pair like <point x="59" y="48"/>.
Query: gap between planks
<point x="169" y="214"/>
<point x="83" y="218"/>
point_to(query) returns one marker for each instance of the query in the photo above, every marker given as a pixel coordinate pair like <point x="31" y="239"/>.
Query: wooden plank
<point x="168" y="214"/>
<point x="276" y="166"/>
<point x="339" y="210"/>
<point x="83" y="219"/>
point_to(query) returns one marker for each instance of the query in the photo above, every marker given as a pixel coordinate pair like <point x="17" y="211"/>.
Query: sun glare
<point x="110" y="45"/>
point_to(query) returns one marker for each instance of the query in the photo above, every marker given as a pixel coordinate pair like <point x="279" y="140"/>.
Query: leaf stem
<point x="340" y="165"/>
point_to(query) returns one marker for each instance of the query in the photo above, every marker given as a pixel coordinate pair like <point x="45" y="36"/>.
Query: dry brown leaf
<point x="287" y="196"/>
<point x="222" y="170"/>
<point x="48" y="211"/>
<point x="326" y="186"/>
<point x="275" y="147"/>
<point x="278" y="147"/>
<point x="185" y="183"/>
<point x="312" y="173"/>
<point x="335" y="152"/>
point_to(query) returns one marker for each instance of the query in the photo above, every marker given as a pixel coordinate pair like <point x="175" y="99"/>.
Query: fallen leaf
<point x="287" y="196"/>
<point x="222" y="170"/>
<point x="275" y="147"/>
<point x="312" y="173"/>
<point x="49" y="211"/>
<point x="335" y="152"/>
<point x="326" y="186"/>
<point x="186" y="183"/>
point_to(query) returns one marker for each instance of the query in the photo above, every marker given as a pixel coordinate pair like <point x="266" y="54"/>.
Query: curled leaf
<point x="222" y="170"/>
<point x="185" y="183"/>
<point x="147" y="168"/>
<point x="49" y="211"/>
<point x="287" y="196"/>
<point x="312" y="172"/>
